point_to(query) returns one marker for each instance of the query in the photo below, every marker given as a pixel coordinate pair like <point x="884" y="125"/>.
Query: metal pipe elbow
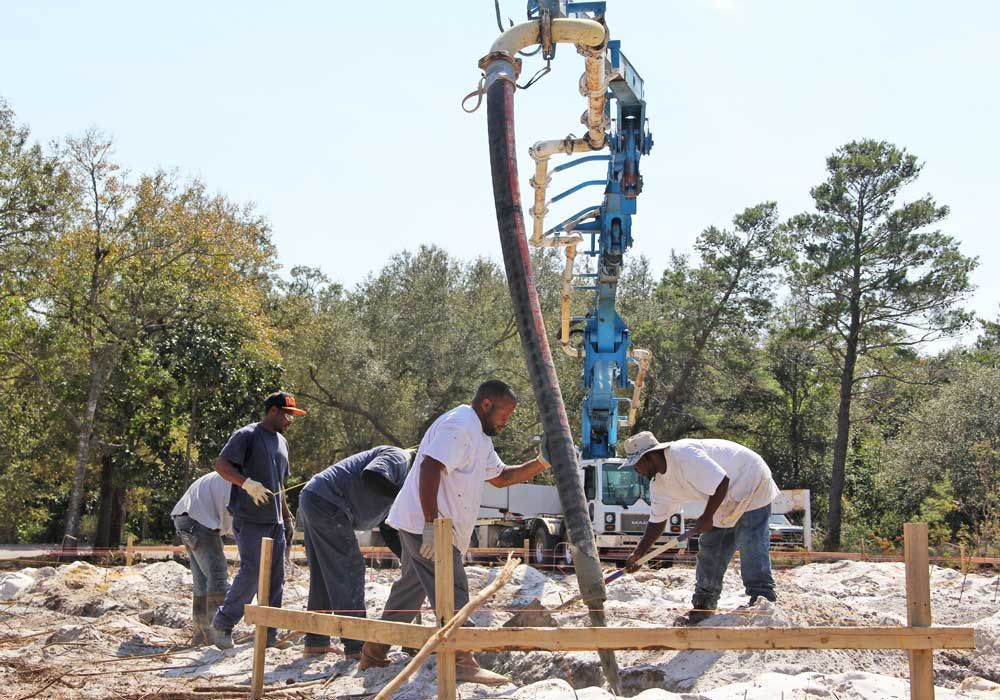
<point x="584" y="32"/>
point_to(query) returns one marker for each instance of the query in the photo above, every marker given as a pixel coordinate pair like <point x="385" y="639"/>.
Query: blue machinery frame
<point x="606" y="340"/>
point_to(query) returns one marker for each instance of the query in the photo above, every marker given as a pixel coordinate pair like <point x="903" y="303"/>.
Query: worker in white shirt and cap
<point x="736" y="485"/>
<point x="201" y="519"/>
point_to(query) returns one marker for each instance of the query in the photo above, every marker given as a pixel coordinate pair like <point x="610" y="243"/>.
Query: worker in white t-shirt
<point x="456" y="456"/>
<point x="736" y="484"/>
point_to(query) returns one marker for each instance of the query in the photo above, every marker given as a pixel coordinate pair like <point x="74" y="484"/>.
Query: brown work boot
<point x="199" y="608"/>
<point x="374" y="655"/>
<point x="308" y="651"/>
<point x="468" y="670"/>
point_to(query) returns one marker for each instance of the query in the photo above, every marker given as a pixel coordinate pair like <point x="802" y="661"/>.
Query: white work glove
<point x="258" y="492"/>
<point x="543" y="450"/>
<point x="427" y="544"/>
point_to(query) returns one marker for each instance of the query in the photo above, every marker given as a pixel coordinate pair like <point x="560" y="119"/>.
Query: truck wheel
<point x="564" y="555"/>
<point x="542" y="546"/>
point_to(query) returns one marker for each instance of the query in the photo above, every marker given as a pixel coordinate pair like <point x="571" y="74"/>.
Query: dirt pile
<point x="86" y="631"/>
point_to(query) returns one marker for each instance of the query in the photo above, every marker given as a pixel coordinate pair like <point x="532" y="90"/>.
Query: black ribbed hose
<point x="535" y="344"/>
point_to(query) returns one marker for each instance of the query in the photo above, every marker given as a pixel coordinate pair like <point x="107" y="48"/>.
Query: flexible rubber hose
<point x="534" y="343"/>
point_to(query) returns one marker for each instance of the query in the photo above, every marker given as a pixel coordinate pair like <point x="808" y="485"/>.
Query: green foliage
<point x="936" y="510"/>
<point x="872" y="276"/>
<point x="707" y="324"/>
<point x="141" y="322"/>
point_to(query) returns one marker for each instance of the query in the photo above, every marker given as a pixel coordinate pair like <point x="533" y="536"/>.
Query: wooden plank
<point x="260" y="631"/>
<point x="918" y="607"/>
<point x="783" y="554"/>
<point x="129" y="549"/>
<point x="591" y="638"/>
<point x="444" y="602"/>
<point x="394" y="633"/>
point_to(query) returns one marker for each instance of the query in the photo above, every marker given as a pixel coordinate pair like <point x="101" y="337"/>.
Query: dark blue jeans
<point x="752" y="537"/>
<point x="244" y="588"/>
<point x="336" y="565"/>
<point x="208" y="559"/>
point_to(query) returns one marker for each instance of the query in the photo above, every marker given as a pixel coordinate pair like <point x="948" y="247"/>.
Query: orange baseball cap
<point x="284" y="401"/>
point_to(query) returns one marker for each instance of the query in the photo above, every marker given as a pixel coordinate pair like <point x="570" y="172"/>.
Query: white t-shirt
<point x="205" y="501"/>
<point x="456" y="439"/>
<point x="695" y="468"/>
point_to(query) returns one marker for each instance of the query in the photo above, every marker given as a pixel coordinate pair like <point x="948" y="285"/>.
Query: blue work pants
<point x="248" y="537"/>
<point x="752" y="537"/>
<point x="336" y="565"/>
<point x="209" y="573"/>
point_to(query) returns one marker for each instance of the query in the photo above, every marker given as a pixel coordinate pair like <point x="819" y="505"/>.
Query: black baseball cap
<point x="284" y="401"/>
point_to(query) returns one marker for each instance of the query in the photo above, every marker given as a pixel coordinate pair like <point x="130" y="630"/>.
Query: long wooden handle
<point x="672" y="543"/>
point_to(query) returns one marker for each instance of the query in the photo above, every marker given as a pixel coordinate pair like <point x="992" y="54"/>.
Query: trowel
<point x="534" y="614"/>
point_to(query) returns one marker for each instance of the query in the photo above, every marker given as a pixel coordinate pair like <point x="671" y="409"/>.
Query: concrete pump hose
<point x="534" y="343"/>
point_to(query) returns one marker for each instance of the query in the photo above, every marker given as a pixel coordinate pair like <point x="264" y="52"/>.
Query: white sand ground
<point x="77" y="630"/>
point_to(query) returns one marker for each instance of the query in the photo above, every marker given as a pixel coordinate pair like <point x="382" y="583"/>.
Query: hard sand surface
<point x="78" y="630"/>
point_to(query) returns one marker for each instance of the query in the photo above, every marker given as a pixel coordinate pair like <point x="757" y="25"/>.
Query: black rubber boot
<point x="770" y="595"/>
<point x="199" y="633"/>
<point x="700" y="611"/>
<point x="222" y="639"/>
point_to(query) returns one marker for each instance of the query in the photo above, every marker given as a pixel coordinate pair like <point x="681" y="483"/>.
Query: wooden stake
<point x="129" y="553"/>
<point x="527" y="551"/>
<point x="444" y="602"/>
<point x="260" y="632"/>
<point x="918" y="607"/>
<point x="449" y="630"/>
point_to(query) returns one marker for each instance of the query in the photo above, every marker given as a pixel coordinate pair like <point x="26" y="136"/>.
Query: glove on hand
<point x="543" y="449"/>
<point x="257" y="491"/>
<point x="289" y="533"/>
<point x="427" y="545"/>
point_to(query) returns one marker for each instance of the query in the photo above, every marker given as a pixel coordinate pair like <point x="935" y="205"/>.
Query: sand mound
<point x="79" y="616"/>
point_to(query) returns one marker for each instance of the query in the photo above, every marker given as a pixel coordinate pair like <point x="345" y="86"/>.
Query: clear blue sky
<point x="341" y="121"/>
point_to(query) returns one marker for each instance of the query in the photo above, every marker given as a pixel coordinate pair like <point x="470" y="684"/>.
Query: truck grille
<point x="634" y="522"/>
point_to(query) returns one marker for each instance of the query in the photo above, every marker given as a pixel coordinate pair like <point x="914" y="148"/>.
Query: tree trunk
<point x="101" y="365"/>
<point x="117" y="517"/>
<point x="832" y="540"/>
<point x="102" y="536"/>
<point x="192" y="430"/>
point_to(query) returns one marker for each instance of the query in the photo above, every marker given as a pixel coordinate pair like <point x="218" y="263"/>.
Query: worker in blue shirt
<point x="354" y="494"/>
<point x="255" y="462"/>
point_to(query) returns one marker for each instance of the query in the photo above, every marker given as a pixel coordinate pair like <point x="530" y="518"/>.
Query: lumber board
<point x="394" y="633"/>
<point x="260" y="631"/>
<point x="591" y="638"/>
<point x="444" y="602"/>
<point x="776" y="554"/>
<point x="918" y="607"/>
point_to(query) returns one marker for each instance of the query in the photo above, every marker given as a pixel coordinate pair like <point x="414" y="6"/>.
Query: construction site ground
<point x="85" y="631"/>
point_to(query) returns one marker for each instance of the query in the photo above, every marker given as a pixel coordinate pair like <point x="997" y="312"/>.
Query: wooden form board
<point x="590" y="638"/>
<point x="776" y="554"/>
<point x="717" y="638"/>
<point x="395" y="633"/>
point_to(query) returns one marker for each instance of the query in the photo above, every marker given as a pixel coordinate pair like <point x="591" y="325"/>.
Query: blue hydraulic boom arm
<point x="606" y="346"/>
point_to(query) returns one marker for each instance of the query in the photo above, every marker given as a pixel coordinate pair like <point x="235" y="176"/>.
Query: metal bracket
<point x="545" y="28"/>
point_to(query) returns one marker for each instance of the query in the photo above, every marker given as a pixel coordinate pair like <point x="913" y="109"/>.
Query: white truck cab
<point x="617" y="499"/>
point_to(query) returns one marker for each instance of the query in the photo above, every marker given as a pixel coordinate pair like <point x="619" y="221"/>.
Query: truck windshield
<point x="623" y="488"/>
